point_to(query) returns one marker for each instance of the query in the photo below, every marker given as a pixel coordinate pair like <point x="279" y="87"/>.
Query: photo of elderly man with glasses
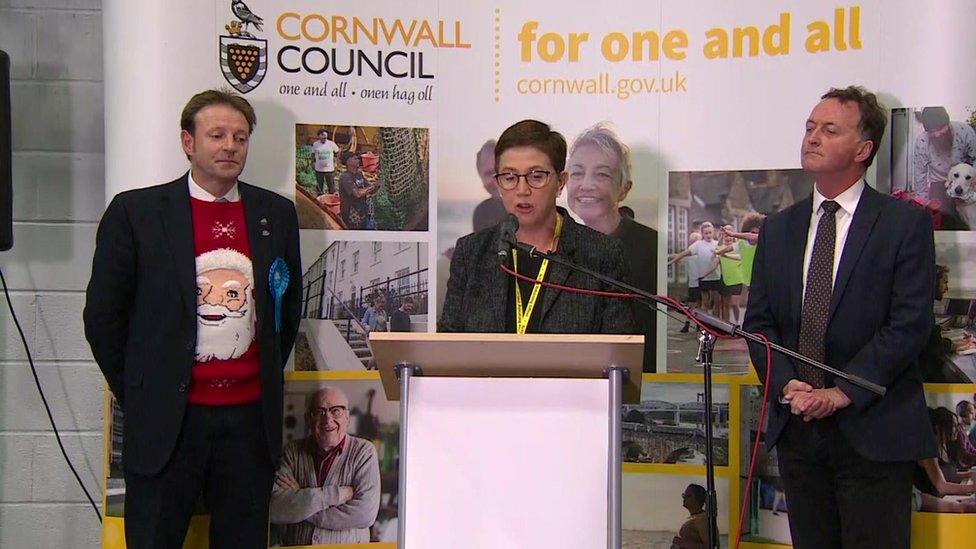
<point x="327" y="489"/>
<point x="530" y="159"/>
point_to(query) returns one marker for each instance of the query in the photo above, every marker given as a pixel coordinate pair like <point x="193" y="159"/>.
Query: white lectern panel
<point x="513" y="463"/>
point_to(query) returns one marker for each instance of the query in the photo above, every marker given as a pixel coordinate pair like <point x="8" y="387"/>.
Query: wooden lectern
<point x="509" y="440"/>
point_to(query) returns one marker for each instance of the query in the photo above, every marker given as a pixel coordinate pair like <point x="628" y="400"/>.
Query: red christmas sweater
<point x="226" y="367"/>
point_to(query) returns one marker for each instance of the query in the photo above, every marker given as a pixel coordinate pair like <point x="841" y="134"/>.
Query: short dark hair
<point x="962" y="406"/>
<point x="322" y="130"/>
<point x="941" y="271"/>
<point x="934" y="118"/>
<point x="698" y="492"/>
<point x="407" y="299"/>
<point x="944" y="425"/>
<point x="535" y="134"/>
<point x="873" y="117"/>
<point x="216" y="97"/>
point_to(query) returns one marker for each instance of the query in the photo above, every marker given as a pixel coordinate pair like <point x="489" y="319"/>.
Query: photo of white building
<point x="354" y="287"/>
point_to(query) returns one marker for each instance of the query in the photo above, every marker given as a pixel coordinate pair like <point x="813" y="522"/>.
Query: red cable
<point x="621" y="295"/>
<point x="687" y="311"/>
<point x="755" y="447"/>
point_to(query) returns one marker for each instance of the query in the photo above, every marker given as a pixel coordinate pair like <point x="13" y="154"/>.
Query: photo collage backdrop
<point x="379" y="120"/>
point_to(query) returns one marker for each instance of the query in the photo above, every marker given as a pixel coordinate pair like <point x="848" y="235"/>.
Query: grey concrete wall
<point x="55" y="48"/>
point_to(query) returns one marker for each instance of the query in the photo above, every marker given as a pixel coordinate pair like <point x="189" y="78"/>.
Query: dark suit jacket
<point x="140" y="310"/>
<point x="640" y="250"/>
<point x="477" y="291"/>
<point x="880" y="318"/>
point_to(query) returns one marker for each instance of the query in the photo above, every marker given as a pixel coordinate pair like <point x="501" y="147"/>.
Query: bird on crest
<point x="244" y="13"/>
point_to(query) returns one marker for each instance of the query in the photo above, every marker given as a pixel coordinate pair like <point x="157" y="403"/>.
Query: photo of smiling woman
<point x="599" y="180"/>
<point x="530" y="159"/>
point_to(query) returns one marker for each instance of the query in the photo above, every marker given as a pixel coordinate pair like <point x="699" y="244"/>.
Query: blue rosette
<point x="278" y="279"/>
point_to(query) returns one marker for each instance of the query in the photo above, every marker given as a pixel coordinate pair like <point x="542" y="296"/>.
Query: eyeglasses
<point x="509" y="180"/>
<point x="335" y="412"/>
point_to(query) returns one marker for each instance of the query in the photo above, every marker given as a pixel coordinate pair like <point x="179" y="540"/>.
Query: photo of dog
<point x="961" y="188"/>
<point x="933" y="149"/>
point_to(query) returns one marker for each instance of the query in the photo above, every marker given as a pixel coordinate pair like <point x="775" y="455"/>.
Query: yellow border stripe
<point x="735" y="484"/>
<point x="950" y="387"/>
<point x="757" y="545"/>
<point x="671" y="469"/>
<point x="378" y="545"/>
<point x="938" y="530"/>
<point x="106" y="442"/>
<point x="332" y="375"/>
<point x="724" y="379"/>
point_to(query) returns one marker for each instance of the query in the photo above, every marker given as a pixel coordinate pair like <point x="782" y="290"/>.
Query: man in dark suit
<point x="531" y="163"/>
<point x="846" y="278"/>
<point x="191" y="318"/>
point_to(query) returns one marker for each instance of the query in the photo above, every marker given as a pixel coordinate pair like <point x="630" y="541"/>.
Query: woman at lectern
<point x="530" y="159"/>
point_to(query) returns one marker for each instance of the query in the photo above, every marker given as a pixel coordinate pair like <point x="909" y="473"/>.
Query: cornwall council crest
<point x="243" y="57"/>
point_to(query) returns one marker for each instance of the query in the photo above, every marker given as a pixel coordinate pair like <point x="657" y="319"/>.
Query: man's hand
<point x="794" y="387"/>
<point x="345" y="494"/>
<point x="819" y="403"/>
<point x="286" y="482"/>
<point x="812" y="405"/>
<point x="841" y="400"/>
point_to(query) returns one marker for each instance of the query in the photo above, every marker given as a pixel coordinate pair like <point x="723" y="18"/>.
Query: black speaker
<point x="6" y="169"/>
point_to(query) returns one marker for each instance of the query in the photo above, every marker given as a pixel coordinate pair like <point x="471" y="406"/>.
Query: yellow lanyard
<point x="522" y="316"/>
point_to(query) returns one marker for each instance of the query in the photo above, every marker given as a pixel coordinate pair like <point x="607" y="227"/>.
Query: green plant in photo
<point x="304" y="175"/>
<point x="307" y="180"/>
<point x="303" y="158"/>
<point x="387" y="217"/>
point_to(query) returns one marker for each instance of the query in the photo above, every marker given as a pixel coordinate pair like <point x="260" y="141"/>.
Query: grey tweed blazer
<point x="477" y="290"/>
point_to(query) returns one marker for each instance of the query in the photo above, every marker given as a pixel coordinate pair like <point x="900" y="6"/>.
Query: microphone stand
<point x="706" y="346"/>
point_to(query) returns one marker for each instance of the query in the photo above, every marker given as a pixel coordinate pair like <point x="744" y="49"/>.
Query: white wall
<point x="55" y="48"/>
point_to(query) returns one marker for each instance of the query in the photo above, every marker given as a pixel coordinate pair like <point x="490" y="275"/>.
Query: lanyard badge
<point x="523" y="314"/>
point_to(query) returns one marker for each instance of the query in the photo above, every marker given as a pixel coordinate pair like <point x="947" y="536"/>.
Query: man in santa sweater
<point x="191" y="313"/>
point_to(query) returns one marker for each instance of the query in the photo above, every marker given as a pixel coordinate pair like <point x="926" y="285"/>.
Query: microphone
<point x="506" y="237"/>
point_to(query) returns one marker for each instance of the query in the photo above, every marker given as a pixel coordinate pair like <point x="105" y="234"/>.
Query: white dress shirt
<point x="848" y="201"/>
<point x="198" y="192"/>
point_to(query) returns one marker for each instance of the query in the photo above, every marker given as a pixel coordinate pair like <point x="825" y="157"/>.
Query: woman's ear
<point x="624" y="190"/>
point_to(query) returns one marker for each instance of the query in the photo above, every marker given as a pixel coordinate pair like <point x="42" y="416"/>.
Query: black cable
<point x="40" y="391"/>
